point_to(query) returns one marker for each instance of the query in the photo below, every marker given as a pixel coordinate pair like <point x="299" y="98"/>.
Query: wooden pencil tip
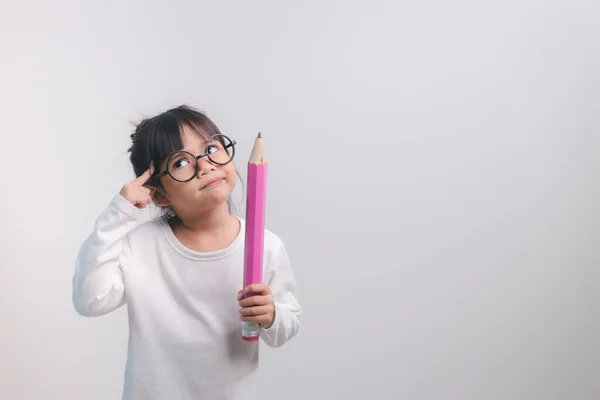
<point x="259" y="135"/>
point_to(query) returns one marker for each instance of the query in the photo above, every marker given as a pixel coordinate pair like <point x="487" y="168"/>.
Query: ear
<point x="158" y="197"/>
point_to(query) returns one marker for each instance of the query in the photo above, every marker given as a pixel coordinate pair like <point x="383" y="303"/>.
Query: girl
<point x="179" y="274"/>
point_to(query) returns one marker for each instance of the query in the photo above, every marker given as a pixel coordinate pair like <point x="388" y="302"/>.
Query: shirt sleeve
<point x="98" y="286"/>
<point x="287" y="309"/>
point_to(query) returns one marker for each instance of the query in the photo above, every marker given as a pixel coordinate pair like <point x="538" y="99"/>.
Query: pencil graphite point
<point x="259" y="135"/>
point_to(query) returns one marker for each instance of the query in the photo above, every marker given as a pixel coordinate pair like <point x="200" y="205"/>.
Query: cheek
<point x="167" y="187"/>
<point x="233" y="179"/>
<point x="231" y="175"/>
<point x="177" y="191"/>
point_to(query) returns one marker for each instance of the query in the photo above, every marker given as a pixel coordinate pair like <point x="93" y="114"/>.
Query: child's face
<point x="194" y="197"/>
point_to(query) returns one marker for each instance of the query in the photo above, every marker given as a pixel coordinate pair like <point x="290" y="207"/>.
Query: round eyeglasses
<point x="183" y="165"/>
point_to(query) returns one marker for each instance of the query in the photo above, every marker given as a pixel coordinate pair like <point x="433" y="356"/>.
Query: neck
<point x="211" y="231"/>
<point x="211" y="221"/>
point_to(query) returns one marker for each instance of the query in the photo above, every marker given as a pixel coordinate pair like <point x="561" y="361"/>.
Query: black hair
<point x="155" y="138"/>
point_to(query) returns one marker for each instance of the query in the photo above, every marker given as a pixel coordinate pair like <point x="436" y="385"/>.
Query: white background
<point x="433" y="172"/>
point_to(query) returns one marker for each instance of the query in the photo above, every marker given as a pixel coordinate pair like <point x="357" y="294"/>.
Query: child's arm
<point x="98" y="280"/>
<point x="282" y="284"/>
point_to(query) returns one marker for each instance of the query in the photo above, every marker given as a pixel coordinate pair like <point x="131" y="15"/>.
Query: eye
<point x="181" y="163"/>
<point x="213" y="149"/>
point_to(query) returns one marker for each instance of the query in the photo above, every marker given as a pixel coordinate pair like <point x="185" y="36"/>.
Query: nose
<point x="205" y="166"/>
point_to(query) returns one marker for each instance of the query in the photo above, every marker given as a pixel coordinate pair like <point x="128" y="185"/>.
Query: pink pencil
<point x="255" y="227"/>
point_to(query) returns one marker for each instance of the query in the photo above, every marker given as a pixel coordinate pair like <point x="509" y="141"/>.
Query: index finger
<point x="257" y="288"/>
<point x="143" y="178"/>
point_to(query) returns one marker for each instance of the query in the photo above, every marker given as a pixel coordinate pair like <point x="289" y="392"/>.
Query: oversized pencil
<point x="255" y="227"/>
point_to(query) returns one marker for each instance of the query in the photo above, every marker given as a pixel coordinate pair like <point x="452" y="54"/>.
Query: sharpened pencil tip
<point x="259" y="135"/>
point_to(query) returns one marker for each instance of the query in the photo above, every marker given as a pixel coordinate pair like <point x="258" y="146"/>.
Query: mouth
<point x="213" y="183"/>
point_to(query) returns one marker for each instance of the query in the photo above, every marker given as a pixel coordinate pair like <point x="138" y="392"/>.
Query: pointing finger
<point x="143" y="178"/>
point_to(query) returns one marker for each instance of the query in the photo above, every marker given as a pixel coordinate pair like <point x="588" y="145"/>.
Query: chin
<point x="215" y="194"/>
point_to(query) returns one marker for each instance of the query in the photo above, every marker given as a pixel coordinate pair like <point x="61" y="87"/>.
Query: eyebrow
<point x="202" y="146"/>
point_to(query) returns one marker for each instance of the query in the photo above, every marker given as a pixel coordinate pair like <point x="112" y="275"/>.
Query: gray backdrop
<point x="433" y="172"/>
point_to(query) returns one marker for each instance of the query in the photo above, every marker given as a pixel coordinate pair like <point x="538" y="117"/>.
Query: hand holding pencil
<point x="259" y="308"/>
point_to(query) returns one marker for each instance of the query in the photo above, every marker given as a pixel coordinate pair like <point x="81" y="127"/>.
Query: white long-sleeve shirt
<point x="184" y="329"/>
